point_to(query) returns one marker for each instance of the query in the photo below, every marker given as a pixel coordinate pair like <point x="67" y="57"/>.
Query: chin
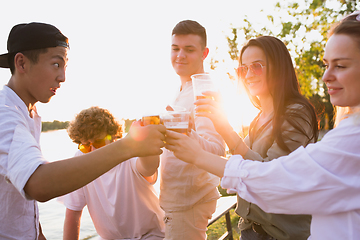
<point x="45" y="100"/>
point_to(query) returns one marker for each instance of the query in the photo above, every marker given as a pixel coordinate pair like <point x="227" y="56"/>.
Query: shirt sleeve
<point x="75" y="200"/>
<point x="319" y="179"/>
<point x="24" y="158"/>
<point x="139" y="175"/>
<point x="207" y="136"/>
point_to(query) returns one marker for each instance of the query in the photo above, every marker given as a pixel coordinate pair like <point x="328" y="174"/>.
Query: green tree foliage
<point x="127" y="124"/>
<point x="303" y="26"/>
<point x="55" y="125"/>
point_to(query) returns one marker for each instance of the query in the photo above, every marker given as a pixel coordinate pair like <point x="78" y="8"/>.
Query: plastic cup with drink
<point x="202" y="83"/>
<point x="176" y="120"/>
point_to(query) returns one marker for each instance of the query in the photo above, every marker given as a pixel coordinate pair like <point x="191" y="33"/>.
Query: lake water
<point x="56" y="145"/>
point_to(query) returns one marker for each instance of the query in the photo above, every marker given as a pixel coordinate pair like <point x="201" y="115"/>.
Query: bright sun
<point x="237" y="106"/>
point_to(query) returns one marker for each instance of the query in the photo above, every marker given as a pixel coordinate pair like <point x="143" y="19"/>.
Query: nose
<point x="328" y="76"/>
<point x="181" y="54"/>
<point x="249" y="73"/>
<point x="62" y="75"/>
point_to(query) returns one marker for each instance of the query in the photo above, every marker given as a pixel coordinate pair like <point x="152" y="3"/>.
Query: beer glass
<point x="177" y="121"/>
<point x="150" y="119"/>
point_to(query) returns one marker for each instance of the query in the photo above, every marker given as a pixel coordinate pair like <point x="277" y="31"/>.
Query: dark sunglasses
<point x="85" y="148"/>
<point x="256" y="68"/>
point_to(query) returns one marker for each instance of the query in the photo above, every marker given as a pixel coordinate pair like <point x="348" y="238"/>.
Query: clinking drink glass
<point x="176" y="120"/>
<point x="201" y="83"/>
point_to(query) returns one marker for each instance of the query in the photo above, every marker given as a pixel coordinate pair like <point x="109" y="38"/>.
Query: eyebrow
<point x="63" y="59"/>
<point x="188" y="46"/>
<point x="337" y="59"/>
<point x="260" y="60"/>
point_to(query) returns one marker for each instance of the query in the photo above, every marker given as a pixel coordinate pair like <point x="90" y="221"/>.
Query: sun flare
<point x="237" y="105"/>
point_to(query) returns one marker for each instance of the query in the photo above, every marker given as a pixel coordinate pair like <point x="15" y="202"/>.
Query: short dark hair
<point x="32" y="55"/>
<point x="191" y="27"/>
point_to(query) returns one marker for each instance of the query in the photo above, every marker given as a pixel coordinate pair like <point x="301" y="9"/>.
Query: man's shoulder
<point x="6" y="100"/>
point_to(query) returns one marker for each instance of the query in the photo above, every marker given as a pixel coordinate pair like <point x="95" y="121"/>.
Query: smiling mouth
<point x="250" y="83"/>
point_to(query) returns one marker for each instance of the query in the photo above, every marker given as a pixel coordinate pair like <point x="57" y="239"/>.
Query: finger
<point x="205" y="101"/>
<point x="169" y="147"/>
<point x="202" y="114"/>
<point x="205" y="108"/>
<point x="173" y="134"/>
<point x="161" y="128"/>
<point x="210" y="93"/>
<point x="215" y="95"/>
<point x="169" y="108"/>
<point x="160" y="151"/>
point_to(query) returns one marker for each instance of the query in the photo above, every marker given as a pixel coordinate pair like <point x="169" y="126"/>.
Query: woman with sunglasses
<point x="122" y="203"/>
<point x="285" y="122"/>
<point x="321" y="179"/>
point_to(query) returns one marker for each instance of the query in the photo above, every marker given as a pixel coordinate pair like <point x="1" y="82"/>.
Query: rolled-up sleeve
<point x="24" y="158"/>
<point x="319" y="179"/>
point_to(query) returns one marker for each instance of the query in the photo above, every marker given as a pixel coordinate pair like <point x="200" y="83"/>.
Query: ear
<point x="20" y="62"/>
<point x="205" y="53"/>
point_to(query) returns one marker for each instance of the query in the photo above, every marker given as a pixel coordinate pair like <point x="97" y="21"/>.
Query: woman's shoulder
<point x="295" y="107"/>
<point x="300" y="109"/>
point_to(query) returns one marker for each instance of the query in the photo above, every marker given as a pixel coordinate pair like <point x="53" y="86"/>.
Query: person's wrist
<point x="226" y="130"/>
<point x="129" y="148"/>
<point x="236" y="146"/>
<point x="200" y="158"/>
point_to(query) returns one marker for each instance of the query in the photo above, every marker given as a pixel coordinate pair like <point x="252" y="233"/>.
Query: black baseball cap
<point x="31" y="36"/>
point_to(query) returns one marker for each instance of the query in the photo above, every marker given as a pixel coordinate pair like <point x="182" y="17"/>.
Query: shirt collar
<point x="18" y="102"/>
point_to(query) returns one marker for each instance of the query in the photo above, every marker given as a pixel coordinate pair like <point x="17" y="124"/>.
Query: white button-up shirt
<point x="322" y="179"/>
<point x="182" y="184"/>
<point x="20" y="156"/>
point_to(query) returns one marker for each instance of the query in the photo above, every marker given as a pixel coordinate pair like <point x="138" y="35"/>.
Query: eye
<point x="339" y="66"/>
<point x="57" y="65"/>
<point x="324" y="65"/>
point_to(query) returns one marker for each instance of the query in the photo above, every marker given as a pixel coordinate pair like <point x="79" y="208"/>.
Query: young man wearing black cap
<point x="37" y="58"/>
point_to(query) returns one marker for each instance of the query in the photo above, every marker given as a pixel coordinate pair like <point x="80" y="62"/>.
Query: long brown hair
<point x="283" y="87"/>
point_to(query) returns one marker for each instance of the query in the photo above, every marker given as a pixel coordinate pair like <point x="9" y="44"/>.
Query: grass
<point x="217" y="229"/>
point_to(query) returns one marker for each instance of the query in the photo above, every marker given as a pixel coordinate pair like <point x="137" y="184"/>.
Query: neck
<point x="184" y="80"/>
<point x="267" y="106"/>
<point x="187" y="78"/>
<point x="19" y="90"/>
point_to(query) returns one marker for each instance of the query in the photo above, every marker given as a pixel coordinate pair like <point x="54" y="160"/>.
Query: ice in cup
<point x="201" y="83"/>
<point x="177" y="121"/>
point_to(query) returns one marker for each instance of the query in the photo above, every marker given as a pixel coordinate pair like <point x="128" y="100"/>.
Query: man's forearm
<point x="58" y="178"/>
<point x="147" y="166"/>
